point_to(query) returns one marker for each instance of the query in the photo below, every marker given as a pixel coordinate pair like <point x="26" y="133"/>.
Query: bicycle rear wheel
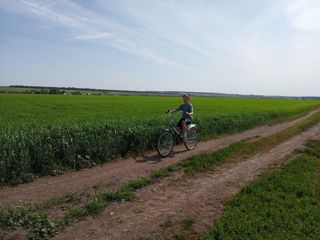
<point x="192" y="136"/>
<point x="165" y="144"/>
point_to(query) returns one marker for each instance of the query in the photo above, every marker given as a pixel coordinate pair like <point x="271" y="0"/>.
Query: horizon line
<point x="166" y="91"/>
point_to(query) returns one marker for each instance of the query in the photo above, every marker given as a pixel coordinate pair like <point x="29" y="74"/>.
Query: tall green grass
<point x="45" y="135"/>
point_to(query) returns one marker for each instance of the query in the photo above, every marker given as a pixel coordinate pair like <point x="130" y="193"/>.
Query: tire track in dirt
<point x="201" y="198"/>
<point x="123" y="170"/>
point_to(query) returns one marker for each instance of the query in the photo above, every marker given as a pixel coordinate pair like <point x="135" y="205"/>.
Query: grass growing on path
<point x="281" y="205"/>
<point x="42" y="226"/>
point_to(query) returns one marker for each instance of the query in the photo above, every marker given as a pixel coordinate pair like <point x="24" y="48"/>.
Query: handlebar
<point x="169" y="113"/>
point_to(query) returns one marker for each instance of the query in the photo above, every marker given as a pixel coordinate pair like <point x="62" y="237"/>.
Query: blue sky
<point x="249" y="47"/>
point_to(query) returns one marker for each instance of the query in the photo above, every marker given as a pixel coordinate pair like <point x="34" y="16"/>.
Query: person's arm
<point x="191" y="112"/>
<point x="174" y="110"/>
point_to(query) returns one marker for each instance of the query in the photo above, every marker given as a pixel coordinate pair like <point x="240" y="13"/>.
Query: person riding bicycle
<point x="187" y="114"/>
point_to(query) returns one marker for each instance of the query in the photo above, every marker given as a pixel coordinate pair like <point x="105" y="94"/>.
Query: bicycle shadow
<point x="156" y="158"/>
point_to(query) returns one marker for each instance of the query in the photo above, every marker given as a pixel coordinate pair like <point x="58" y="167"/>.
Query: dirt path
<point x="201" y="198"/>
<point x="118" y="172"/>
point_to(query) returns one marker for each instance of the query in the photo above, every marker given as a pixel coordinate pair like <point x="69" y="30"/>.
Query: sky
<point x="269" y="47"/>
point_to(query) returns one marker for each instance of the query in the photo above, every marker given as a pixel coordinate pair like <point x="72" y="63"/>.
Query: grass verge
<point x="281" y="205"/>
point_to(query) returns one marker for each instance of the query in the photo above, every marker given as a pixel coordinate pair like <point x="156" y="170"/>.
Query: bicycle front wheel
<point x="165" y="144"/>
<point x="192" y="136"/>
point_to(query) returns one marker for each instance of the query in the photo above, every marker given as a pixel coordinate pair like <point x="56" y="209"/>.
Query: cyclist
<point x="187" y="114"/>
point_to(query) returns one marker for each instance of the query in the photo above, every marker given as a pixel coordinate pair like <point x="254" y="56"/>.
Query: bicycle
<point x="171" y="136"/>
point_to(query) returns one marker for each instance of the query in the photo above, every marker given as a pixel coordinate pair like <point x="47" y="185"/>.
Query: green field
<point x="24" y="110"/>
<point x="281" y="205"/>
<point x="48" y="134"/>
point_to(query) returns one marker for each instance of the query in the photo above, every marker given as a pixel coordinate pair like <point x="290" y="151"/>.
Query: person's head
<point x="186" y="97"/>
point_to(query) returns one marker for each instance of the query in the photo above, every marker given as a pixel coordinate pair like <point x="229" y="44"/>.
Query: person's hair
<point x="188" y="95"/>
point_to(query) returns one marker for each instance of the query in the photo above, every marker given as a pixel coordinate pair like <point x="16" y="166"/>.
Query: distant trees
<point x="55" y="91"/>
<point x="47" y="91"/>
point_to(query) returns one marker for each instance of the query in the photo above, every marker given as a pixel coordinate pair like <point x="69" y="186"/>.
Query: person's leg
<point x="184" y="127"/>
<point x="179" y="126"/>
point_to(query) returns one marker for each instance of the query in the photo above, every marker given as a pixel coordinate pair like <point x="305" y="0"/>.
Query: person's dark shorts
<point x="187" y="120"/>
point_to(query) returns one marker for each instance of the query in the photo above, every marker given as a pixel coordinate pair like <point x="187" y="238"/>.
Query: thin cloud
<point x="93" y="36"/>
<point x="304" y="14"/>
<point x="86" y="25"/>
<point x="40" y="9"/>
<point x="227" y="46"/>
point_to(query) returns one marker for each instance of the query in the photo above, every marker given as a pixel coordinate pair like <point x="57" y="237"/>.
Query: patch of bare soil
<point x="201" y="198"/>
<point x="119" y="172"/>
<point x="15" y="234"/>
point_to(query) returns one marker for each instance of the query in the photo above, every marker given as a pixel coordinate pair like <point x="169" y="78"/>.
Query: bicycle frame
<point x="173" y="129"/>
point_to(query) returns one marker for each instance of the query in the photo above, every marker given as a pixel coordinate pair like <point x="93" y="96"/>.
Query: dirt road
<point x="201" y="198"/>
<point x="118" y="172"/>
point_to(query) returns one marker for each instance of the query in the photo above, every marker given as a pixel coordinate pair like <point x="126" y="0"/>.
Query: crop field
<point x="48" y="134"/>
<point x="21" y="110"/>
